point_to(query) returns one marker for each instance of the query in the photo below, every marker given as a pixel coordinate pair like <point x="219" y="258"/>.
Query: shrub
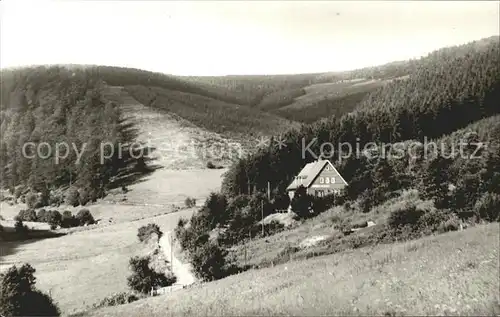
<point x="143" y="278"/>
<point x="19" y="297"/>
<point x="56" y="198"/>
<point x="259" y="203"/>
<point x="72" y="197"/>
<point x="360" y="224"/>
<point x="281" y="202"/>
<point x="286" y="254"/>
<point x="26" y="215"/>
<point x="190" y="202"/>
<point x="211" y="165"/>
<point x="488" y="207"/>
<point x="54" y="219"/>
<point x="83" y="196"/>
<point x="450" y="224"/>
<point x="270" y="228"/>
<point x="20" y="228"/>
<point x="208" y="262"/>
<point x="193" y="236"/>
<point x="432" y="220"/>
<point x="144" y="233"/>
<point x="41" y="216"/>
<point x="302" y="203"/>
<point x="84" y="217"/>
<point x="44" y="197"/>
<point x="18" y="191"/>
<point x="117" y="299"/>
<point x="238" y="228"/>
<point x="68" y="220"/>
<point x="321" y="204"/>
<point x="214" y="210"/>
<point x="409" y="214"/>
<point x="32" y="200"/>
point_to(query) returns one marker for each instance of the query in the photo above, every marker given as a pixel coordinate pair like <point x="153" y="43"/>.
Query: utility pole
<point x="245" y="255"/>
<point x="262" y="215"/>
<point x="269" y="191"/>
<point x="171" y="254"/>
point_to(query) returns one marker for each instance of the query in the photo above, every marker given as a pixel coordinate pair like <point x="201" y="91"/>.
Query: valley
<point x="431" y="247"/>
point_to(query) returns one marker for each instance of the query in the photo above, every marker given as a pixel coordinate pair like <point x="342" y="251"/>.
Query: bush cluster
<point x="143" y="278"/>
<point x="117" y="299"/>
<point x="72" y="197"/>
<point x="55" y="219"/>
<point x="488" y="207"/>
<point x="144" y="233"/>
<point x="26" y="215"/>
<point x="19" y="296"/>
<point x="190" y="202"/>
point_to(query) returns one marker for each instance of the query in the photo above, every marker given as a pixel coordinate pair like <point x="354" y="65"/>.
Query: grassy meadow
<point x="83" y="267"/>
<point x="322" y="228"/>
<point x="90" y="263"/>
<point x="450" y="274"/>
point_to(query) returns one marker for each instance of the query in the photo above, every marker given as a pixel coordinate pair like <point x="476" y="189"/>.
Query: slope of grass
<point x="89" y="263"/>
<point x="454" y="273"/>
<point x="275" y="248"/>
<point x="81" y="268"/>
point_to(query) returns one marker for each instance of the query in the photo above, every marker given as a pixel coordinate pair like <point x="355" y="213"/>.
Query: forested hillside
<point x="56" y="105"/>
<point x="430" y="97"/>
<point x="450" y="89"/>
<point x="232" y="120"/>
<point x="424" y="158"/>
<point x="295" y="97"/>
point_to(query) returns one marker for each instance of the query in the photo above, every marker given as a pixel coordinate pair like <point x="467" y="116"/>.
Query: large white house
<point x="320" y="178"/>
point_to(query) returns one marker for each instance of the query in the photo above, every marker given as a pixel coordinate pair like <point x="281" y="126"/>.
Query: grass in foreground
<point x="83" y="267"/>
<point x="454" y="273"/>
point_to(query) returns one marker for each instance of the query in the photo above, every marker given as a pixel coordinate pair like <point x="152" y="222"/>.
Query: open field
<point x="83" y="267"/>
<point x="90" y="263"/>
<point x="454" y="273"/>
<point x="319" y="92"/>
<point x="154" y="195"/>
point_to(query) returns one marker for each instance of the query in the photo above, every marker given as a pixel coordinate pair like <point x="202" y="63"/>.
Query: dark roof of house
<point x="308" y="174"/>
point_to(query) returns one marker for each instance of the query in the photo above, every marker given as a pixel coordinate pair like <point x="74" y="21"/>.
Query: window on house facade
<point x="332" y="180"/>
<point x="321" y="180"/>
<point x="327" y="180"/>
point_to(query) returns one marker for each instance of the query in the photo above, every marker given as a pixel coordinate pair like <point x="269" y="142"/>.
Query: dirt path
<point x="180" y="269"/>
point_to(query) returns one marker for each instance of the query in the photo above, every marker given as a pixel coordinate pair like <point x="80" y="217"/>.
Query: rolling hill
<point x="441" y="96"/>
<point x="451" y="274"/>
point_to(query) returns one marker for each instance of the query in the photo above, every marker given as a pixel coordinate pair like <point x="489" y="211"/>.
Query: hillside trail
<point x="183" y="271"/>
<point x="183" y="171"/>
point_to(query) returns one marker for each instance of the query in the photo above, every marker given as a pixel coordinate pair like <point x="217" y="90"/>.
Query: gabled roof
<point x="309" y="173"/>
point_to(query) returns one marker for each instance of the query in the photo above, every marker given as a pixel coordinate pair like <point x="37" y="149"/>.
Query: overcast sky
<point x="238" y="37"/>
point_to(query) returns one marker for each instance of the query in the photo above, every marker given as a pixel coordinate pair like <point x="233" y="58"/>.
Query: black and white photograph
<point x="249" y="158"/>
